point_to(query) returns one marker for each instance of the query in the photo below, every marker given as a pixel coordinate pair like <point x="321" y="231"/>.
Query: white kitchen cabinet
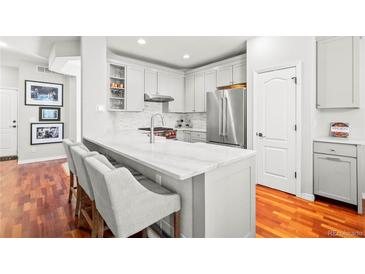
<point x="335" y="171"/>
<point x="338" y="72"/>
<point x="239" y="73"/>
<point x="135" y="88"/>
<point x="164" y="82"/>
<point x="189" y="93"/>
<point x="176" y="90"/>
<point x="225" y="76"/>
<point x="198" y="137"/>
<point x="187" y="136"/>
<point x="150" y="81"/>
<point x="210" y="84"/>
<point x="199" y="92"/>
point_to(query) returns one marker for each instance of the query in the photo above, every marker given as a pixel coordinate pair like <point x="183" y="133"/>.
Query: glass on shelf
<point x="116" y="104"/>
<point x="117" y="93"/>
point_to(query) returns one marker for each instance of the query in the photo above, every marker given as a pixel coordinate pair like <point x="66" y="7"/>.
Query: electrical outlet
<point x="158" y="179"/>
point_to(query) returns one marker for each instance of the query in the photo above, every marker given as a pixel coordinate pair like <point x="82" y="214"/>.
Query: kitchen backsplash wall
<point x="134" y="120"/>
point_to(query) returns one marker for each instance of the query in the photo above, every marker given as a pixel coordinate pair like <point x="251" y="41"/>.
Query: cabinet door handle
<point x="333" y="159"/>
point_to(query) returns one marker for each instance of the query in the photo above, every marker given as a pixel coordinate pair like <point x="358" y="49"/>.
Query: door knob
<point x="14" y="121"/>
<point x="259" y="134"/>
<point x="14" y="126"/>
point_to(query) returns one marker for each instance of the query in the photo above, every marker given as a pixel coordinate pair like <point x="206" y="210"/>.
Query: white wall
<point x="356" y="117"/>
<point x="268" y="52"/>
<point x="93" y="86"/>
<point x="8" y="77"/>
<point x="16" y="72"/>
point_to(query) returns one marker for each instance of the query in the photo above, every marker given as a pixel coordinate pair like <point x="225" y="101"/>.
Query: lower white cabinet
<point x="335" y="177"/>
<point x="336" y="171"/>
<point x="191" y="136"/>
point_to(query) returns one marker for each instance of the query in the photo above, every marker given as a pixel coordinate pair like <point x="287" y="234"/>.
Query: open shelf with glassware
<point x="116" y="87"/>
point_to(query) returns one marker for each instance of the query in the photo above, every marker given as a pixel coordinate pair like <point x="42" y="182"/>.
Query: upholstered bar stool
<point x="85" y="195"/>
<point x="67" y="143"/>
<point x="126" y="205"/>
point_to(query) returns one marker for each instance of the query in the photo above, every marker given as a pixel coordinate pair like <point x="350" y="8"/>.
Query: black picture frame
<point x="42" y="119"/>
<point x="28" y="101"/>
<point x="59" y="139"/>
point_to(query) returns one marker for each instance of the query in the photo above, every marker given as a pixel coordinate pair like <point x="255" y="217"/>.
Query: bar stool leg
<point x="71" y="186"/>
<point x="100" y="227"/>
<point x="78" y="200"/>
<point x="177" y="224"/>
<point x="94" y="230"/>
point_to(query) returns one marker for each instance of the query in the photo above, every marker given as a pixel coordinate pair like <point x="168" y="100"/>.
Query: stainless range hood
<point x="157" y="98"/>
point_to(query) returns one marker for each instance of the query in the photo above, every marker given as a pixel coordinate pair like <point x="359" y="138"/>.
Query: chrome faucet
<point x="152" y="133"/>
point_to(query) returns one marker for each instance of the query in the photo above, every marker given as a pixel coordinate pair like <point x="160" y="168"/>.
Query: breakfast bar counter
<point x="216" y="183"/>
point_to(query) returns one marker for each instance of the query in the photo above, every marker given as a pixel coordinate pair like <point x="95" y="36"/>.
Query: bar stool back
<point x="126" y="205"/>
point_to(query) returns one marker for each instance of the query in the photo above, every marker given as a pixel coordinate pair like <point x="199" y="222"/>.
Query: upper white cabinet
<point x="135" y="88"/>
<point x="231" y="74"/>
<point x="175" y="89"/>
<point x="210" y="84"/>
<point x="225" y="76"/>
<point x="239" y="73"/>
<point x="150" y="81"/>
<point x="338" y="72"/>
<point x="189" y="93"/>
<point x="199" y="92"/>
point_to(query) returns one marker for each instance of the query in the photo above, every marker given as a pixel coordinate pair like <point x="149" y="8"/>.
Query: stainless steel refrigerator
<point x="227" y="117"/>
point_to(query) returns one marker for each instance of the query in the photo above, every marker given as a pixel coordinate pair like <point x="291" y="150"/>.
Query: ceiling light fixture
<point x="3" y="45"/>
<point x="141" y="41"/>
<point x="186" y="56"/>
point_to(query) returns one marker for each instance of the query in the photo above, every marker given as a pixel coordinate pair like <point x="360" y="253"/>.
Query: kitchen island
<point x="216" y="183"/>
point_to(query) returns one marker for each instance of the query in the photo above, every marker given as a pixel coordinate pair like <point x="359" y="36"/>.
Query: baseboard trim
<point x="307" y="196"/>
<point x="29" y="161"/>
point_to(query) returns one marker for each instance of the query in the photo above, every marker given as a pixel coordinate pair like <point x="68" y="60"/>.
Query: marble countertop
<point x="349" y="141"/>
<point x="191" y="129"/>
<point x="177" y="159"/>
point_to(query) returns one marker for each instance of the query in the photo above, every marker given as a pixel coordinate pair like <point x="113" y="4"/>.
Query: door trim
<point x="17" y="113"/>
<point x="298" y="151"/>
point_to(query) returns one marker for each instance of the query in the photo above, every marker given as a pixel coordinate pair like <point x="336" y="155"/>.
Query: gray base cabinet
<point x="335" y="177"/>
<point x="338" y="171"/>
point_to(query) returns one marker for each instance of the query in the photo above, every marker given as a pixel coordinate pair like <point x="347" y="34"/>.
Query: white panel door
<point x="8" y="122"/>
<point x="199" y="92"/>
<point x="276" y="135"/>
<point x="189" y="93"/>
<point x="224" y="76"/>
<point x="135" y="88"/>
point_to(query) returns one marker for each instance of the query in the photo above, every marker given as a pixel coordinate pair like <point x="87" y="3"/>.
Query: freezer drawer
<point x="335" y="177"/>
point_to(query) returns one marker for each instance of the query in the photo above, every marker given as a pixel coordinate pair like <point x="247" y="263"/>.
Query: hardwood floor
<point x="34" y="203"/>
<point x="279" y="214"/>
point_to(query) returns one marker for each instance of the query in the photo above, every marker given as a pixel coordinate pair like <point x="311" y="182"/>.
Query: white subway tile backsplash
<point x="134" y="120"/>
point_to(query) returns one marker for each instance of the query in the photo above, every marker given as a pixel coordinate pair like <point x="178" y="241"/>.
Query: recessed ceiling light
<point x="3" y="45"/>
<point x="141" y="41"/>
<point x="186" y="56"/>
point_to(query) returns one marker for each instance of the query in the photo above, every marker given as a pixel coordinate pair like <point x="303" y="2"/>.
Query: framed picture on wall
<point x="43" y="94"/>
<point x="42" y="133"/>
<point x="49" y="114"/>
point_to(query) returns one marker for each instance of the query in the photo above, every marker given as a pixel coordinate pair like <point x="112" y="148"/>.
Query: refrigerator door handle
<point x="224" y="131"/>
<point x="220" y="116"/>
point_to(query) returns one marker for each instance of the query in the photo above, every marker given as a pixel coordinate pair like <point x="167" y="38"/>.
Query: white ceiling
<point x="168" y="50"/>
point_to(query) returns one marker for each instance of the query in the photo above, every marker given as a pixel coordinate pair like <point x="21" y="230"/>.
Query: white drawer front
<point x="335" y="149"/>
<point x="198" y="135"/>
